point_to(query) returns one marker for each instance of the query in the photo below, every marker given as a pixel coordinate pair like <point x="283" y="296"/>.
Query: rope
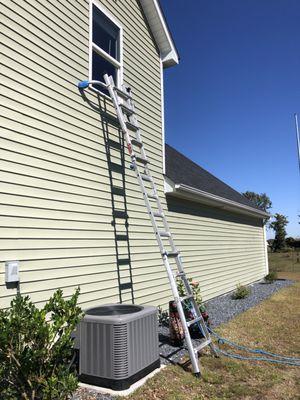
<point x="271" y="360"/>
<point x="277" y="358"/>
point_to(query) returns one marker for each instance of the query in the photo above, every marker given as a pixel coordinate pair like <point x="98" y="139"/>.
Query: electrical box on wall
<point x="12" y="271"/>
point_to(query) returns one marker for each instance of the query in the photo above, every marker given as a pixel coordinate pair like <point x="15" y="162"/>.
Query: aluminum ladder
<point x="124" y="106"/>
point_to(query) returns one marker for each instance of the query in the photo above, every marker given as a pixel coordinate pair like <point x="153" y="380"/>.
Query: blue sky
<point x="230" y="102"/>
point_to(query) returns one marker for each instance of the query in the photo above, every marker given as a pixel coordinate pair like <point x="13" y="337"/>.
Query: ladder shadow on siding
<point x="120" y="218"/>
<point x="115" y="156"/>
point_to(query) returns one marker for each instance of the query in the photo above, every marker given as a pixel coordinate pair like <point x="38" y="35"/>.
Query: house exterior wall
<point x="56" y="206"/>
<point x="219" y="248"/>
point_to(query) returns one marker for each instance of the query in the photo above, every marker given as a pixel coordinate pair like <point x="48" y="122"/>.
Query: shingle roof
<point x="182" y="170"/>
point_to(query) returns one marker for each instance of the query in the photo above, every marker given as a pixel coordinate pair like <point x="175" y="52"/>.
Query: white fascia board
<point x="200" y="196"/>
<point x="160" y="32"/>
<point x="169" y="185"/>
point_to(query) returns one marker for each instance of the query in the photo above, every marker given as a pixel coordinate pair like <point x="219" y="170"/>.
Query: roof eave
<point x="200" y="196"/>
<point x="160" y="32"/>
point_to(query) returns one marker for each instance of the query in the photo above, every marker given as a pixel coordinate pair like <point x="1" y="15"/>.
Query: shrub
<point x="189" y="314"/>
<point x="271" y="277"/>
<point x="195" y="289"/>
<point x="36" y="348"/>
<point x="163" y="316"/>
<point x="241" y="292"/>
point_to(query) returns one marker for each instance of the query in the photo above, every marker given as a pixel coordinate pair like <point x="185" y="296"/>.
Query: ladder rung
<point x="131" y="126"/>
<point x="118" y="191"/>
<point x="124" y="286"/>
<point x="164" y="234"/>
<point x="123" y="94"/>
<point x="124" y="261"/>
<point x="152" y="196"/>
<point x="202" y="345"/>
<point x="193" y="321"/>
<point x="136" y="143"/>
<point x="189" y="296"/>
<point x="146" y="178"/>
<point x="126" y="109"/>
<point x="121" y="237"/>
<point x="120" y="214"/>
<point x="116" y="167"/>
<point x="142" y="160"/>
<point x="158" y="215"/>
<point x="114" y="144"/>
<point x="171" y="253"/>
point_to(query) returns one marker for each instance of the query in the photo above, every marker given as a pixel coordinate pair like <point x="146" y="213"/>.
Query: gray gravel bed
<point x="223" y="308"/>
<point x="85" y="394"/>
<point x="220" y="309"/>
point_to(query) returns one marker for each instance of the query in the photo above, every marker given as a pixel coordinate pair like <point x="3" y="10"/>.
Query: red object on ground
<point x="175" y="326"/>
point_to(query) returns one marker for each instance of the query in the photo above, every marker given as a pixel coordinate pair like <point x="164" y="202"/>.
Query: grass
<point x="273" y="325"/>
<point x="285" y="262"/>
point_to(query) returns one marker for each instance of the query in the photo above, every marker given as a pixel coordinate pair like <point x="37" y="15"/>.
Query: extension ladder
<point x="124" y="106"/>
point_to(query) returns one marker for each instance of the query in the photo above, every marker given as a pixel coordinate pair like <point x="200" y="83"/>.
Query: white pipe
<point x="297" y="138"/>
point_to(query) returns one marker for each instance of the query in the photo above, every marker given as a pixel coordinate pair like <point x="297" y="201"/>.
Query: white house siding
<point x="55" y="208"/>
<point x="219" y="248"/>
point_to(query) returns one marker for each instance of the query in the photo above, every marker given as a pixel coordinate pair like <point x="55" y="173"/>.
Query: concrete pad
<point x="122" y="393"/>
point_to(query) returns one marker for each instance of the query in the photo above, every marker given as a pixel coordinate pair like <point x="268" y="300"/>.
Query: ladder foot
<point x="197" y="375"/>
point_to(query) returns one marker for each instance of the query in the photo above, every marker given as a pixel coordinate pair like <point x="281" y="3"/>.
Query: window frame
<point x="101" y="52"/>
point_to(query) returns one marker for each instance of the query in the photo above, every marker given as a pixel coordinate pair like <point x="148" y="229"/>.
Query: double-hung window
<point x="105" y="50"/>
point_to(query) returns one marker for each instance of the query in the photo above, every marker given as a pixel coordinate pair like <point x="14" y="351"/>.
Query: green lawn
<point x="285" y="262"/>
<point x="273" y="325"/>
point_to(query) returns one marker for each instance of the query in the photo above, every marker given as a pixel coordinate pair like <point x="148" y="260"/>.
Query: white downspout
<point x="162" y="116"/>
<point x="266" y="251"/>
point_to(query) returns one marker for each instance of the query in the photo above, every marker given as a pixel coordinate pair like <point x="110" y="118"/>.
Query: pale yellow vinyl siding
<point x="55" y="208"/>
<point x="220" y="249"/>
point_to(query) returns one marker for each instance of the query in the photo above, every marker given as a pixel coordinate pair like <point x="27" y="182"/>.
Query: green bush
<point x="271" y="277"/>
<point x="163" y="316"/>
<point x="195" y="289"/>
<point x="36" y="348"/>
<point x="241" y="292"/>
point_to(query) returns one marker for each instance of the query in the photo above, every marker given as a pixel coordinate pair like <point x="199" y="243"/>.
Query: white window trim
<point x="93" y="46"/>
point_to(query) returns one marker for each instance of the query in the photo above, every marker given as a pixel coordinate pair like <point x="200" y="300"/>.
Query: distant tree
<point x="278" y="225"/>
<point x="290" y="241"/>
<point x="260" y="200"/>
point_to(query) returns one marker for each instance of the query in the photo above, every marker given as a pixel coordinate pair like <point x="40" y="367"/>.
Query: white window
<point x="105" y="47"/>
